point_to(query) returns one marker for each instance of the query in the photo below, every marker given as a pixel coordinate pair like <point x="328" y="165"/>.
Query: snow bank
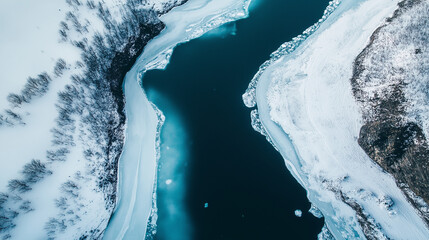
<point x="306" y="107"/>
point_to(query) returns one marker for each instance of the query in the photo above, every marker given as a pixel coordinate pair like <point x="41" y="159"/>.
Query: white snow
<point x="394" y="50"/>
<point x="32" y="45"/>
<point x="307" y="108"/>
<point x="159" y="5"/>
<point x="21" y="143"/>
<point x="29" y="45"/>
<point x="138" y="163"/>
<point x="29" y="42"/>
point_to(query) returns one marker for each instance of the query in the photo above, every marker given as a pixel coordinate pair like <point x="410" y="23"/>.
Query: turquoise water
<point x="218" y="178"/>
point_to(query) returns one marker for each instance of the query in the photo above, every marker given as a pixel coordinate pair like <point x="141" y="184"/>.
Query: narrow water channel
<point x="232" y="183"/>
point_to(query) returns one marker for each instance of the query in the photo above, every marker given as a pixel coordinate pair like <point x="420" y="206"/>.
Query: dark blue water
<point x="249" y="191"/>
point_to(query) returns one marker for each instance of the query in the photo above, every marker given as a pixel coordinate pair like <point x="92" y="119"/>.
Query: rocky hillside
<point x="391" y="84"/>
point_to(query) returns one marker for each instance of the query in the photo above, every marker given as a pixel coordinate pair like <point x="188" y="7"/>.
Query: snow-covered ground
<point x="30" y="45"/>
<point x="59" y="196"/>
<point x="65" y="119"/>
<point x="138" y="163"/>
<point x="306" y="107"/>
<point x="30" y="42"/>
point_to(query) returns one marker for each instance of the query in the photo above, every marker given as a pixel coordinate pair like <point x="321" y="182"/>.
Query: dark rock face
<point x="124" y="60"/>
<point x="121" y="63"/>
<point x="400" y="150"/>
<point x="388" y="75"/>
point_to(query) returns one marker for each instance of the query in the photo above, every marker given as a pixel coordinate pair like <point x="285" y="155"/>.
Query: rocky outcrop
<point x="389" y="83"/>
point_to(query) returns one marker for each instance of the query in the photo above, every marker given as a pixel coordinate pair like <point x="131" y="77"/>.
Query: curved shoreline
<point x="298" y="133"/>
<point x="183" y="23"/>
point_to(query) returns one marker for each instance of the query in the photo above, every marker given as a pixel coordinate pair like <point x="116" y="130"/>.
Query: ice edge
<point x="160" y="62"/>
<point x="249" y="96"/>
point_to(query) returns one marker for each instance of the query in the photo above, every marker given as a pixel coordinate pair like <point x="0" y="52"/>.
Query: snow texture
<point x="306" y="106"/>
<point x="401" y="57"/>
<point x="54" y="130"/>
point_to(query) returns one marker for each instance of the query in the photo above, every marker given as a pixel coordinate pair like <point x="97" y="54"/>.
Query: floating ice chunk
<point x="298" y="213"/>
<point x="315" y="211"/>
<point x="249" y="98"/>
<point x="168" y="181"/>
<point x="229" y="29"/>
<point x="161" y="60"/>
<point x="206" y="205"/>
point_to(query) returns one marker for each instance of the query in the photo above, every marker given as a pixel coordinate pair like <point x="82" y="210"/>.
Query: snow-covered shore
<point x="68" y="122"/>
<point x="51" y="176"/>
<point x="306" y="107"/>
<point x="61" y="122"/>
<point x="138" y="162"/>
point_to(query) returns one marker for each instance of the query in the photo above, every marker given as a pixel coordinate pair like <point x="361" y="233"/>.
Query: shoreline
<point x="156" y="56"/>
<point x="298" y="157"/>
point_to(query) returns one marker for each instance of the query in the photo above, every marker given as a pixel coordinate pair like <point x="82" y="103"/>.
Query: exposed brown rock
<point x="393" y="139"/>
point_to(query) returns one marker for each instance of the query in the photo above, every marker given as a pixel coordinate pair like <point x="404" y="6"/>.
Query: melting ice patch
<point x="171" y="172"/>
<point x="223" y="31"/>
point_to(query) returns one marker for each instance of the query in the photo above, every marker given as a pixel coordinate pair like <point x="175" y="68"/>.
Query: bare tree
<point x="59" y="67"/>
<point x="35" y="171"/>
<point x="18" y="185"/>
<point x="70" y="188"/>
<point x="14" y="99"/>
